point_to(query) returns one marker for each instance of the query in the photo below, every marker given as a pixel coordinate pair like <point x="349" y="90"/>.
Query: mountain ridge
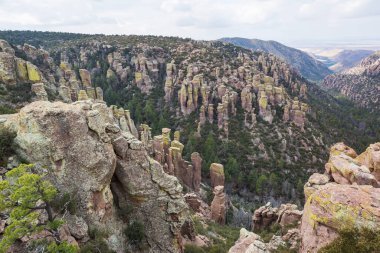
<point x="307" y="65"/>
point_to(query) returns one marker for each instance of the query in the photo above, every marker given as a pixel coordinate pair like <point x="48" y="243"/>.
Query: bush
<point x="66" y="202"/>
<point x="191" y="248"/>
<point x="6" y="110"/>
<point x="96" y="243"/>
<point x="135" y="232"/>
<point x="6" y="141"/>
<point x="354" y="240"/>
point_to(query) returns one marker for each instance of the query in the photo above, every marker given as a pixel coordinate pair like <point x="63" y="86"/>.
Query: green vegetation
<point x="6" y="144"/>
<point x="135" y="233"/>
<point x="4" y="109"/>
<point x="354" y="240"/>
<point x="24" y="194"/>
<point x="96" y="243"/>
<point x="191" y="248"/>
<point x="254" y="159"/>
<point x="223" y="237"/>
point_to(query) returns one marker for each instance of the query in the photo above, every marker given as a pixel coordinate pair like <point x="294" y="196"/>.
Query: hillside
<point x="360" y="84"/>
<point x="308" y="66"/>
<point x="348" y="58"/>
<point x="251" y="107"/>
<point x="99" y="112"/>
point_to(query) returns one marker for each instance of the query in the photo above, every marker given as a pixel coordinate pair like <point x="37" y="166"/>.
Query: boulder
<point x="216" y="174"/>
<point x="371" y="159"/>
<point x="248" y="242"/>
<point x="7" y="68"/>
<point x="347" y="195"/>
<point x="334" y="206"/>
<point x="264" y="217"/>
<point x="77" y="226"/>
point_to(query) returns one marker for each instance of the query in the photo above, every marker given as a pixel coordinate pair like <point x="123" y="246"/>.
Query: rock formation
<point x="169" y="154"/>
<point x="346" y="195"/>
<point x="216" y="174"/>
<point x="218" y="205"/>
<point x="265" y="216"/>
<point x="85" y="77"/>
<point x="82" y="146"/>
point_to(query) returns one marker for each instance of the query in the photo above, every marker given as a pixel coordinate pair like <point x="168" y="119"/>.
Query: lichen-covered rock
<point x="347" y="195"/>
<point x="344" y="169"/>
<point x="216" y="174"/>
<point x="22" y="72"/>
<point x="34" y="73"/>
<point x="7" y="68"/>
<point x="39" y="90"/>
<point x="333" y="207"/>
<point x="78" y="146"/>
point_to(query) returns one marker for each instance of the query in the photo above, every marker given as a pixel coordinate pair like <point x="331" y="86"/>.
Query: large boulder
<point x="249" y="242"/>
<point x="335" y="206"/>
<point x="78" y="146"/>
<point x="347" y="195"/>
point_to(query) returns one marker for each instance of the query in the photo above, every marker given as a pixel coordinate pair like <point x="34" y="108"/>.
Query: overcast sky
<point x="293" y="22"/>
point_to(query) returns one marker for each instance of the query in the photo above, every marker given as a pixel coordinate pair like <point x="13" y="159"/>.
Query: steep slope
<point x="361" y="84"/>
<point x="308" y="66"/>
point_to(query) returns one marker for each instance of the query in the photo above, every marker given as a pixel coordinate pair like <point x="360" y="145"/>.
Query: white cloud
<point x="283" y="20"/>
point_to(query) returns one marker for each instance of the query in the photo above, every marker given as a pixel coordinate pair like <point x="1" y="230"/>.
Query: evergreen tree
<point x="261" y="184"/>
<point x="24" y="195"/>
<point x="232" y="167"/>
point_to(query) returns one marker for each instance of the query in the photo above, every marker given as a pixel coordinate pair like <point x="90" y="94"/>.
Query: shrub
<point x="6" y="141"/>
<point x="66" y="202"/>
<point x="135" y="232"/>
<point x="4" y="109"/>
<point x="354" y="240"/>
<point x="96" y="242"/>
<point x="191" y="248"/>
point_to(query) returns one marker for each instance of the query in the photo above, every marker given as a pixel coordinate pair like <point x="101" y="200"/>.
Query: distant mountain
<point x="361" y="84"/>
<point x="348" y="58"/>
<point x="307" y="65"/>
<point x="339" y="59"/>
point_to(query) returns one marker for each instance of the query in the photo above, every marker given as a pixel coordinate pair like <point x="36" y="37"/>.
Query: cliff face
<point x="361" y="84"/>
<point x="346" y="196"/>
<point x="87" y="151"/>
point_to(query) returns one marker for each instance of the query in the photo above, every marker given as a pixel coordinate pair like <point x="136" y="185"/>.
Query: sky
<point x="299" y="23"/>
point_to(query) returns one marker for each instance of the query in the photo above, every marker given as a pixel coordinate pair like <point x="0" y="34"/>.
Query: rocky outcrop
<point x="82" y="146"/>
<point x="218" y="205"/>
<point x="216" y="174"/>
<point x="169" y="154"/>
<point x="295" y="112"/>
<point x="85" y="76"/>
<point x="248" y="242"/>
<point x="347" y="195"/>
<point x="284" y="215"/>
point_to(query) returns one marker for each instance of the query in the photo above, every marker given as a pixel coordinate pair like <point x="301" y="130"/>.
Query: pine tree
<point x="24" y="195"/>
